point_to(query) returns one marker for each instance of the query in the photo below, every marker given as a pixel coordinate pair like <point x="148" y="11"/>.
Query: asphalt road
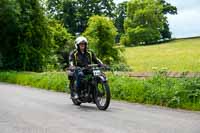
<point x="29" y="110"/>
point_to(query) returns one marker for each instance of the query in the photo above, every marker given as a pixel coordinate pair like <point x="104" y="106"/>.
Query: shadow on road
<point x="91" y="108"/>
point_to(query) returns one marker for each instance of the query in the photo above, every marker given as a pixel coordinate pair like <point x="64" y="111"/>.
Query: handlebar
<point x="90" y="66"/>
<point x="105" y="67"/>
<point x="93" y="65"/>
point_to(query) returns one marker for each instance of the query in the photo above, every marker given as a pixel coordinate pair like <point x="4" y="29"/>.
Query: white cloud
<point x="186" y="22"/>
<point x="185" y="4"/>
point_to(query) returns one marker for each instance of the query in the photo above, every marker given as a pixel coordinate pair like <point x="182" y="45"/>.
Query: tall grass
<point x="159" y="90"/>
<point x="49" y="80"/>
<point x="178" y="55"/>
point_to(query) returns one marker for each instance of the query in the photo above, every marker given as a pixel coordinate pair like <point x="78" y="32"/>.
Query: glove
<point x="101" y="65"/>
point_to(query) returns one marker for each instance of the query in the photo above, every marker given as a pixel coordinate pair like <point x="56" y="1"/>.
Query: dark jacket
<point x="76" y="58"/>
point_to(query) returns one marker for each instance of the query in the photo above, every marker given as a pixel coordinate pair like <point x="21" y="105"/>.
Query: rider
<point x="81" y="57"/>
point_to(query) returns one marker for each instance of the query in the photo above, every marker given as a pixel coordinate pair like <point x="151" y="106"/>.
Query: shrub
<point x="101" y="33"/>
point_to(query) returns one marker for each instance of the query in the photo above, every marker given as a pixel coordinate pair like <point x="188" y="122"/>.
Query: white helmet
<point x="79" y="40"/>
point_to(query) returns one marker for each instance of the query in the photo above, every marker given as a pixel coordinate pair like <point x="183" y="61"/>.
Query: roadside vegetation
<point x="160" y="90"/>
<point x="48" y="80"/>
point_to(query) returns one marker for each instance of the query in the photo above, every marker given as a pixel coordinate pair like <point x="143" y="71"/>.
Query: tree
<point x="55" y="9"/>
<point x="101" y="34"/>
<point x="63" y="44"/>
<point x="167" y="9"/>
<point x="107" y="8"/>
<point x="69" y="16"/>
<point x="119" y="19"/>
<point x="9" y="12"/>
<point x="29" y="41"/>
<point x="86" y="9"/>
<point x="34" y="44"/>
<point x="144" y="19"/>
<point x="75" y="13"/>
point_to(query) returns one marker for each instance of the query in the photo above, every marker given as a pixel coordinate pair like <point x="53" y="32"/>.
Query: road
<point x="30" y="110"/>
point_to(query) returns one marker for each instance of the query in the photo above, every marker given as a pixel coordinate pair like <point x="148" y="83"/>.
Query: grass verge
<point x="48" y="80"/>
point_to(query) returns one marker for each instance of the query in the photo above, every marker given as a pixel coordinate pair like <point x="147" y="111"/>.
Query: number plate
<point x="96" y="72"/>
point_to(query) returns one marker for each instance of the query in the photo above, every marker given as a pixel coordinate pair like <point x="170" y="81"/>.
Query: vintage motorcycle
<point x="94" y="87"/>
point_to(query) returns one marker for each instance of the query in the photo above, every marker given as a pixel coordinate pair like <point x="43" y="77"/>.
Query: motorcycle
<point x="94" y="87"/>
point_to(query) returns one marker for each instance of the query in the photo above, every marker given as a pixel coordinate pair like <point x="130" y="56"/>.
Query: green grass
<point x="159" y="90"/>
<point x="178" y="55"/>
<point x="48" y="80"/>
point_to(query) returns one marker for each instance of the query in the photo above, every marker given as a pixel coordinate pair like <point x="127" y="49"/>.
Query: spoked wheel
<point x="73" y="92"/>
<point x="102" y="96"/>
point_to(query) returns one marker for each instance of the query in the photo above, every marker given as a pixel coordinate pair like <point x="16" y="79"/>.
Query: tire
<point x="72" y="91"/>
<point x="102" y="91"/>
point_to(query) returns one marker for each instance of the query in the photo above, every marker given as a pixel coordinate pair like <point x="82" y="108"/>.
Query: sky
<point x="187" y="22"/>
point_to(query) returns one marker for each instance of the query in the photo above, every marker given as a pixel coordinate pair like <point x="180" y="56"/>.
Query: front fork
<point x="100" y="78"/>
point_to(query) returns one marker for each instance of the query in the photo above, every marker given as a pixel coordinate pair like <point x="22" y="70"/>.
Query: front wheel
<point x="102" y="96"/>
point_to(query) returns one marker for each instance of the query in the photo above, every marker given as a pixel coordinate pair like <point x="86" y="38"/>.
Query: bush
<point x="101" y="34"/>
<point x="144" y="19"/>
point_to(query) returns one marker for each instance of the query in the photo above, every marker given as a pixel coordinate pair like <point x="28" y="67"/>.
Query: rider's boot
<point x="77" y="94"/>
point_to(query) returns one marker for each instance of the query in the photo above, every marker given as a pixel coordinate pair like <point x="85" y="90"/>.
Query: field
<point x="181" y="55"/>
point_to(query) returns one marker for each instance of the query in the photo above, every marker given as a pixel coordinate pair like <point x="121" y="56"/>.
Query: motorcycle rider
<point x="81" y="57"/>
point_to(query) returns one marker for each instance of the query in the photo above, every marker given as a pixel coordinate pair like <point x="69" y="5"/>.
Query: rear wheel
<point x="73" y="92"/>
<point x="102" y="96"/>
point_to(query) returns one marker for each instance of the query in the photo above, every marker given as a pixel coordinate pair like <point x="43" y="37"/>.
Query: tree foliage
<point x="101" y="34"/>
<point x="27" y="41"/>
<point x="55" y="8"/>
<point x="167" y="9"/>
<point x="144" y="19"/>
<point x="120" y="13"/>
<point x="9" y="12"/>
<point x="62" y="41"/>
<point x="75" y="13"/>
<point x="35" y="47"/>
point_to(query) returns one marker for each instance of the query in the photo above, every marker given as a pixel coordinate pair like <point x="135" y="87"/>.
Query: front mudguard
<point x="102" y="78"/>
